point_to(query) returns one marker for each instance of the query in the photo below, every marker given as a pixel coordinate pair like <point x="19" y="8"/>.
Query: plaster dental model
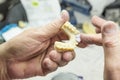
<point x="74" y="38"/>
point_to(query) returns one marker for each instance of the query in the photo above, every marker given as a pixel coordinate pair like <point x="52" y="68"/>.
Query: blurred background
<point x="17" y="15"/>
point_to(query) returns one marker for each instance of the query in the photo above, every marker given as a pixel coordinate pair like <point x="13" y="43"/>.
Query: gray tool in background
<point x="67" y="76"/>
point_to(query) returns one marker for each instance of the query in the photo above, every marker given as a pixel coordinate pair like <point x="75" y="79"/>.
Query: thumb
<point x="111" y="38"/>
<point x="53" y="28"/>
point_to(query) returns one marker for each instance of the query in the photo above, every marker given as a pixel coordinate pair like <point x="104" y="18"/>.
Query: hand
<point x="109" y="37"/>
<point x="31" y="53"/>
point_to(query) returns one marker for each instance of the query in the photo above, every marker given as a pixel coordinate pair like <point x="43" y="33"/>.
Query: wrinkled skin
<point x="108" y="36"/>
<point x="31" y="53"/>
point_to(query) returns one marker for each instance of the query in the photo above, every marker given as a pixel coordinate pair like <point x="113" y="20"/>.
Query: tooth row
<point x="71" y="31"/>
<point x="61" y="47"/>
<point x="70" y="27"/>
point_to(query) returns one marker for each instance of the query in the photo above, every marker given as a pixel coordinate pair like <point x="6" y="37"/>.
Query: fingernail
<point x="64" y="14"/>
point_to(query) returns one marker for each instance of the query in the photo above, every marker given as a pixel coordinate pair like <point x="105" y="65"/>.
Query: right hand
<point x="109" y="37"/>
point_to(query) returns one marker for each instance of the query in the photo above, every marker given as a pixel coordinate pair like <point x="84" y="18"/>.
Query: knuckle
<point x="111" y="43"/>
<point x="108" y="44"/>
<point x="54" y="24"/>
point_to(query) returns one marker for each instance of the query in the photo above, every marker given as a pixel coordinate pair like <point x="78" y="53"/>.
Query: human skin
<point x="31" y="53"/>
<point x="108" y="36"/>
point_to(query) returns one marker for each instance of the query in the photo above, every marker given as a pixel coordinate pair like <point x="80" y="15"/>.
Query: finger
<point x="111" y="45"/>
<point x="55" y="56"/>
<point x="98" y="22"/>
<point x="62" y="63"/>
<point x="82" y="45"/>
<point x="52" y="28"/>
<point x="61" y="58"/>
<point x="91" y="39"/>
<point x="66" y="57"/>
<point x="49" y="65"/>
<point x="110" y="34"/>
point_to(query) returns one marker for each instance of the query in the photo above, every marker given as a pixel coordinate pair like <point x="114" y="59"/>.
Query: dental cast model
<point x="74" y="38"/>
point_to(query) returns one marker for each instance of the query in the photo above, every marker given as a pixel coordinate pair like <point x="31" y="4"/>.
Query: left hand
<point x="31" y="53"/>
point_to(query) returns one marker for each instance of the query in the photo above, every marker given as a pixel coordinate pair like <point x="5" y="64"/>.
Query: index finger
<point x="98" y="22"/>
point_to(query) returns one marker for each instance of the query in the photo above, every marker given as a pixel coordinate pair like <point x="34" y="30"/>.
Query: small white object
<point x="78" y="38"/>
